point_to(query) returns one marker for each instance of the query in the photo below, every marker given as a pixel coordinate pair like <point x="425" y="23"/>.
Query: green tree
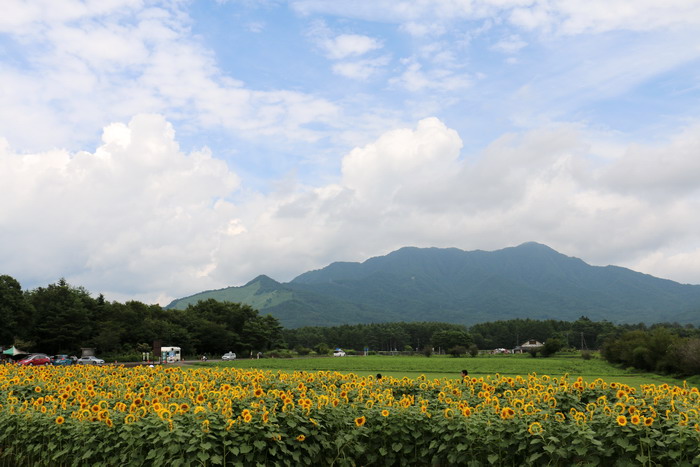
<point x="448" y="339"/>
<point x="551" y="346"/>
<point x="16" y="314"/>
<point x="63" y="317"/>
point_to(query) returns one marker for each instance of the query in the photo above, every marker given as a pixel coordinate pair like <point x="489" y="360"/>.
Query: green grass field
<point x="449" y="367"/>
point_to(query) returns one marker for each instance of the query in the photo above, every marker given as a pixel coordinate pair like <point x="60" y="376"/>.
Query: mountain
<point x="466" y="287"/>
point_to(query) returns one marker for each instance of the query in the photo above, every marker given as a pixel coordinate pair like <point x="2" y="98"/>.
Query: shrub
<point x="551" y="347"/>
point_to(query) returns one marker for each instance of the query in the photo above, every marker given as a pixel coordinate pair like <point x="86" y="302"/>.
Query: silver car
<point x="90" y="361"/>
<point x="228" y="356"/>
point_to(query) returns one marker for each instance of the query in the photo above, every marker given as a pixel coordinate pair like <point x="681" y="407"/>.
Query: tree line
<point x="61" y="318"/>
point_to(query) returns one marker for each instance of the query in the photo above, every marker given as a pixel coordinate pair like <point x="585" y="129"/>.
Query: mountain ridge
<point x="530" y="280"/>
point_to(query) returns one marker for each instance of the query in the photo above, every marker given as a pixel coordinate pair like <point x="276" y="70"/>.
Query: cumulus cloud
<point x="136" y="214"/>
<point x="137" y="218"/>
<point x="412" y="187"/>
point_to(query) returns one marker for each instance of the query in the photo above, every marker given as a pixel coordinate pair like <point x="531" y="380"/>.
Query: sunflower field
<point x="170" y="416"/>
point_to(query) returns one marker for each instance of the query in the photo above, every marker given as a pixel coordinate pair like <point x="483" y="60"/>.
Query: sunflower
<point x="385" y="413"/>
<point x="535" y="428"/>
<point x="60" y="420"/>
<point x="301" y="438"/>
<point x="648" y="421"/>
<point x="360" y="421"/>
<point x="634" y="419"/>
<point x="507" y="413"/>
<point x="621" y="420"/>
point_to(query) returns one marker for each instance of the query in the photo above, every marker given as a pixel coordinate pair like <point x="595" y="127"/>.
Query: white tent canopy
<point x="12" y="351"/>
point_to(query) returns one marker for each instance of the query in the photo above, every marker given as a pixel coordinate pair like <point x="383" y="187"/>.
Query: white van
<point x="170" y="354"/>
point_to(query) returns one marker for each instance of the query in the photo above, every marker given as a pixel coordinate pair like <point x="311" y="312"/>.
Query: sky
<point x="150" y="150"/>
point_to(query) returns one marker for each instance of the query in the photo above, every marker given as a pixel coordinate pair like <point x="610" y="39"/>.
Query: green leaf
<point x="396" y="447"/>
<point x="245" y="449"/>
<point x="622" y="442"/>
<point x="260" y="444"/>
<point x="492" y="458"/>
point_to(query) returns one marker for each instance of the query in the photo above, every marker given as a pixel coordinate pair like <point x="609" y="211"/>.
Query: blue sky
<point x="153" y="149"/>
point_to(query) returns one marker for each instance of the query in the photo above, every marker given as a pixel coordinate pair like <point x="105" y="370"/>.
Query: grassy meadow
<point x="450" y="367"/>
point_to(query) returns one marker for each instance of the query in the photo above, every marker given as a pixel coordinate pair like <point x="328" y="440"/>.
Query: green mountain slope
<point x="452" y="285"/>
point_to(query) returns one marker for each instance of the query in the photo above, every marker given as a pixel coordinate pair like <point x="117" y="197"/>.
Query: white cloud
<point x="395" y="160"/>
<point x="598" y="16"/>
<point x="560" y="16"/>
<point x="666" y="170"/>
<point x="349" y="45"/>
<point x="136" y="215"/>
<point x="410" y="187"/>
<point x="510" y="45"/>
<point x="360" y="69"/>
<point x="95" y="62"/>
<point x="414" y="78"/>
<point x="137" y="218"/>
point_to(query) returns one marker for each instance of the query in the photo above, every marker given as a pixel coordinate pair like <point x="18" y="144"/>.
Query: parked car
<point x="228" y="356"/>
<point x="91" y="360"/>
<point x="62" y="360"/>
<point x="338" y="353"/>
<point x="36" y="359"/>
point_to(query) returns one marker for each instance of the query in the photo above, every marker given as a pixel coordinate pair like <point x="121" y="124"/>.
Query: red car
<point x="36" y="359"/>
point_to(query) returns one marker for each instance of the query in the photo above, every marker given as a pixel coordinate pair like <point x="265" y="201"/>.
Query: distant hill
<point x="466" y="287"/>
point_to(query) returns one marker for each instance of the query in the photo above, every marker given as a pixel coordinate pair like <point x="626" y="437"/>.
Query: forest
<point x="61" y="318"/>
